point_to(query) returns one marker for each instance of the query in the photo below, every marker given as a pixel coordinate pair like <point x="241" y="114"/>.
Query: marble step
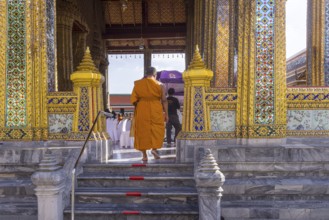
<point x="283" y="169"/>
<point x="275" y="153"/>
<point x="17" y="170"/>
<point x="128" y="153"/>
<point x="120" y="195"/>
<point x="133" y="212"/>
<point x="139" y="169"/>
<point x="21" y="187"/>
<point x="279" y="210"/>
<point x="274" y="188"/>
<point x="18" y="207"/>
<point x="97" y="180"/>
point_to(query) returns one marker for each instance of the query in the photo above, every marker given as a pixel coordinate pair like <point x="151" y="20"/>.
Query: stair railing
<point x="78" y="159"/>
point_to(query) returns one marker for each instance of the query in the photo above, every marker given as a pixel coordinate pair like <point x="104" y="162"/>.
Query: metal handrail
<point x="78" y="159"/>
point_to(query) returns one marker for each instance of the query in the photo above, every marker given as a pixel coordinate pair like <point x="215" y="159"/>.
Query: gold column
<point x="315" y="42"/>
<point x="190" y="31"/>
<point x="196" y="79"/>
<point x="197" y="23"/>
<point x="209" y="33"/>
<point x="24" y="70"/>
<point x="64" y="52"/>
<point x="261" y="109"/>
<point x="39" y="68"/>
<point x="87" y="84"/>
<point x="205" y="30"/>
<point x="3" y="50"/>
<point x="222" y="43"/>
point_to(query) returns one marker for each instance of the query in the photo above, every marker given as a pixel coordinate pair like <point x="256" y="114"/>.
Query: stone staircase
<point x="17" y="199"/>
<point x="158" y="190"/>
<point x="18" y="161"/>
<point x="281" y="182"/>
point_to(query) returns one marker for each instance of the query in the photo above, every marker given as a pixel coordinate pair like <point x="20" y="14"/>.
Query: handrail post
<point x="50" y="184"/>
<point x="73" y="194"/>
<point x="77" y="162"/>
<point x="209" y="181"/>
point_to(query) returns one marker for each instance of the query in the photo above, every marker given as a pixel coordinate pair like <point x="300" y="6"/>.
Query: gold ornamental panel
<point x="3" y="43"/>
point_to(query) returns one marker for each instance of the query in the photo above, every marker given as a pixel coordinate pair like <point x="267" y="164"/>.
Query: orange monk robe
<point x="149" y="121"/>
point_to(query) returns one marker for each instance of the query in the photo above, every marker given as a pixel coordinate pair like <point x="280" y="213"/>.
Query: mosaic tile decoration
<point x="62" y="100"/>
<point x="308" y="120"/>
<point x="222" y="43"/>
<point x="16" y="64"/>
<point x="326" y="49"/>
<point x="60" y="123"/>
<point x="221" y="97"/>
<point x="83" y="110"/>
<point x="321" y="96"/>
<point x="222" y="120"/>
<point x="198" y="122"/>
<point x="50" y="10"/>
<point x="264" y="78"/>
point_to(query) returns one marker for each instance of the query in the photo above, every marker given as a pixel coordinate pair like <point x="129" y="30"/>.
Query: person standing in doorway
<point x="151" y="111"/>
<point x="173" y="106"/>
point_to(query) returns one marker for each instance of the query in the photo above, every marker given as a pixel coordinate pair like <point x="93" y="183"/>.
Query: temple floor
<point x="130" y="155"/>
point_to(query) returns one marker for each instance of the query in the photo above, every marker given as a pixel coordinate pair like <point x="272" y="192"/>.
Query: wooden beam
<point x="150" y="32"/>
<point x="156" y="47"/>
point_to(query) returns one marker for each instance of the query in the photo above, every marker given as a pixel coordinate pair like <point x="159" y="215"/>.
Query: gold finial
<point x="197" y="62"/>
<point x="87" y="63"/>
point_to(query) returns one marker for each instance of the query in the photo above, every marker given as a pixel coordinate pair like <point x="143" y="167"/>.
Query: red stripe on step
<point x="133" y="194"/>
<point x="138" y="165"/>
<point x="131" y="212"/>
<point x="136" y="178"/>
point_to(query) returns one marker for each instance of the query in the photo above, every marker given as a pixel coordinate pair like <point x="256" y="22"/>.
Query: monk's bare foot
<point x="155" y="154"/>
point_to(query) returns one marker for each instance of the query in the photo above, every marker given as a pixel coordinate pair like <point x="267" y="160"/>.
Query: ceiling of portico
<point x="156" y="24"/>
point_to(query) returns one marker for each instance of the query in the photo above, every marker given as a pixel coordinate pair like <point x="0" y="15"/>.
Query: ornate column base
<point x="261" y="131"/>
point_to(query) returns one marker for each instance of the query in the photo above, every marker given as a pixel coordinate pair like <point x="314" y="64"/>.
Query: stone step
<point x="133" y="212"/>
<point x="283" y="169"/>
<point x="128" y="153"/>
<point x="21" y="187"/>
<point x="17" y="170"/>
<point x="151" y="195"/>
<point x="138" y="169"/>
<point x="275" y="188"/>
<point x="97" y="180"/>
<point x="19" y="207"/>
<point x="279" y="210"/>
<point x="275" y="153"/>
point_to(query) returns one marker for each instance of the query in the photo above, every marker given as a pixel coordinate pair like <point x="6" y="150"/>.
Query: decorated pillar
<point x="27" y="67"/>
<point x="261" y="110"/>
<point x="189" y="5"/>
<point x="318" y="43"/>
<point x="224" y="17"/>
<point x="64" y="48"/>
<point x="87" y="84"/>
<point x="196" y="80"/>
<point x="326" y="46"/>
<point x="205" y="13"/>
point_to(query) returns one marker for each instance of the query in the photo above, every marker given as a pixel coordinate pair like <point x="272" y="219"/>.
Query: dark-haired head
<point x="151" y="71"/>
<point x="171" y="91"/>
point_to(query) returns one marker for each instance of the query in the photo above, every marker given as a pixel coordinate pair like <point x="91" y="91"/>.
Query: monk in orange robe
<point x="151" y="111"/>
